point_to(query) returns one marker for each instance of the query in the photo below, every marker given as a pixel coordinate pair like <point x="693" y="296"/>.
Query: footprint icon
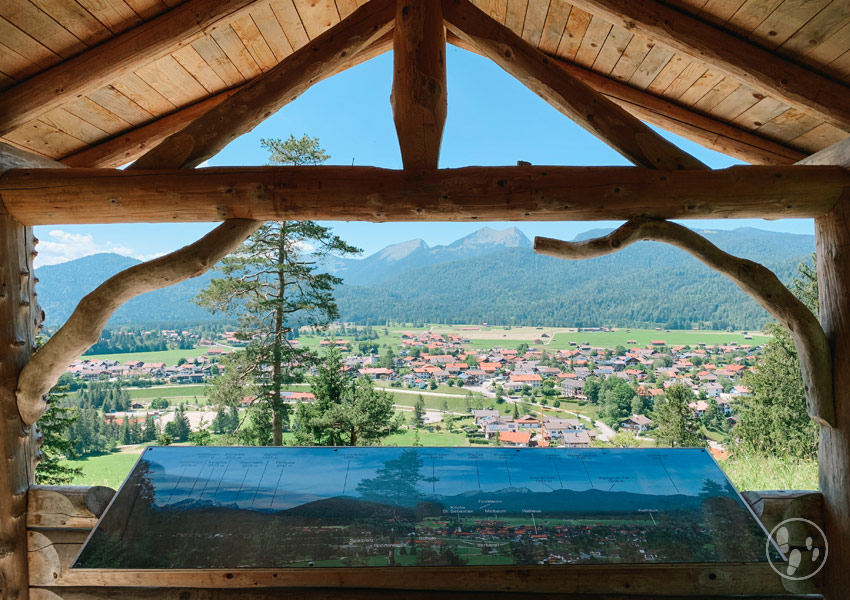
<point x="795" y="556"/>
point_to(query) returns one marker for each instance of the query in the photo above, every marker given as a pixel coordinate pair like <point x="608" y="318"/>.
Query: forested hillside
<point x="490" y="276"/>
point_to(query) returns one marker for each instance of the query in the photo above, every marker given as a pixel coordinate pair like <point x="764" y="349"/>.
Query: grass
<point x="426" y="438"/>
<point x="169" y="357"/>
<point x="171" y="391"/>
<point x="644" y="336"/>
<point x="105" y="469"/>
<point x="750" y="472"/>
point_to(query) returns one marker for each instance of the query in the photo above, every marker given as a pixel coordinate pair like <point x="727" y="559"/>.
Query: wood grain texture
<point x="264" y="95"/>
<point x="757" y="281"/>
<point x="52" y="551"/>
<point x="742" y="60"/>
<point x="66" y="507"/>
<point x="419" y="82"/>
<point x="575" y="99"/>
<point x="47" y="196"/>
<point x="122" y="54"/>
<point x="19" y="318"/>
<point x="129" y="146"/>
<point x="832" y="239"/>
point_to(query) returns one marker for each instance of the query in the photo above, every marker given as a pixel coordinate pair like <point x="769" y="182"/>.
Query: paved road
<point x="606" y="433"/>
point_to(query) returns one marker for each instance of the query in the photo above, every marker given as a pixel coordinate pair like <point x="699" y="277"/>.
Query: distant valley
<point x="491" y="276"/>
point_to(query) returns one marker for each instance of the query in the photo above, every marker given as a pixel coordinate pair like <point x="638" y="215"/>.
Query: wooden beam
<point x="15" y="158"/>
<point x="48" y="196"/>
<point x="735" y="57"/>
<point x="129" y="146"/>
<point x="66" y="507"/>
<point x="122" y="54"/>
<point x="267" y="93"/>
<point x="575" y="99"/>
<point x="319" y="593"/>
<point x="19" y="318"/>
<point x="83" y="327"/>
<point x="759" y="282"/>
<point x="675" y="118"/>
<point x="419" y="82"/>
<point x="832" y="240"/>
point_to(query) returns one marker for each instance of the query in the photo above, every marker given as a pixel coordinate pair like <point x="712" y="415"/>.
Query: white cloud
<point x="63" y="246"/>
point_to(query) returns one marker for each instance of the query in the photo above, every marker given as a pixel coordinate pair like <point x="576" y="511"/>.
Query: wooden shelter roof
<point x="188" y="56"/>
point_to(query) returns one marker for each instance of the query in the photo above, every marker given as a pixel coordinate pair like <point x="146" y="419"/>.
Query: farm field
<point x="169" y="357"/>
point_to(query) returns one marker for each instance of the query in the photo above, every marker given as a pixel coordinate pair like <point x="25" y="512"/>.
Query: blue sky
<point x="492" y="120"/>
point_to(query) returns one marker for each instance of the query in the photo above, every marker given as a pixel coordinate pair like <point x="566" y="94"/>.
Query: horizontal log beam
<point x="67" y="196"/>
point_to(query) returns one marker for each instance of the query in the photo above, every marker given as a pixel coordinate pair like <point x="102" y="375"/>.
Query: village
<point x="530" y="395"/>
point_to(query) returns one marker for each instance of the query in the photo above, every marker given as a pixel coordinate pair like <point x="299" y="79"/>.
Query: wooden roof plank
<point x="535" y="21"/>
<point x="831" y="48"/>
<point x="786" y="126"/>
<point x="16" y="64"/>
<point x="678" y="119"/>
<point x="554" y="26"/>
<point x="573" y="33"/>
<point x="218" y="60"/>
<point x="115" y="15"/>
<point x="652" y="64"/>
<point x="588" y="108"/>
<point x="783" y="22"/>
<point x="195" y="64"/>
<point x="147" y="9"/>
<point x="515" y="15"/>
<point x="771" y="74"/>
<point x="743" y="98"/>
<point x="760" y="113"/>
<point x="630" y="60"/>
<point x="254" y="42"/>
<point x="231" y="44"/>
<point x="819" y="137"/>
<point x="684" y="80"/>
<point x="128" y="146"/>
<point x="92" y="112"/>
<point x="41" y="26"/>
<point x="828" y="21"/>
<point x="719" y="11"/>
<point x="135" y="88"/>
<point x="751" y="14"/>
<point x="75" y="19"/>
<point x="670" y="73"/>
<point x="25" y="45"/>
<point x="592" y="42"/>
<point x="290" y="22"/>
<point x="172" y="81"/>
<point x="317" y="16"/>
<point x="41" y="137"/>
<point x="102" y="64"/>
<point x="264" y="95"/>
<point x="611" y="51"/>
<point x="272" y="32"/>
<point x="120" y="105"/>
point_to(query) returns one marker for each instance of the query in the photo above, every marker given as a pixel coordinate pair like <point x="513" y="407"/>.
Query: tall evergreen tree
<point x="676" y="424"/>
<point x="773" y="419"/>
<point x="347" y="411"/>
<point x="272" y="283"/>
<point x="55" y="425"/>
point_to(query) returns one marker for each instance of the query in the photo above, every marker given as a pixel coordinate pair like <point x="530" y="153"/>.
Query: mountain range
<point x="490" y="275"/>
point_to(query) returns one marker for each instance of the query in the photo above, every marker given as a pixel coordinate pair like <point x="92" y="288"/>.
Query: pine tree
<point x="272" y="283"/>
<point x="418" y="416"/>
<point x="55" y="425"/>
<point x="347" y="411"/>
<point x="676" y="424"/>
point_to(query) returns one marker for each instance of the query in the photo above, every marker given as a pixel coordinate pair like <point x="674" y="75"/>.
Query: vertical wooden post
<point x="833" y="259"/>
<point x="419" y="82"/>
<point x="19" y="317"/>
